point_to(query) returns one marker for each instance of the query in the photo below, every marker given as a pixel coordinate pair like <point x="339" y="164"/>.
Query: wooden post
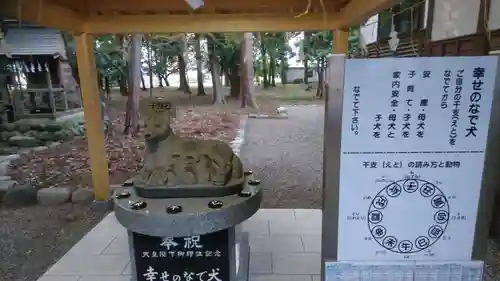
<point x="92" y="112"/>
<point x="341" y="41"/>
<point x="52" y="102"/>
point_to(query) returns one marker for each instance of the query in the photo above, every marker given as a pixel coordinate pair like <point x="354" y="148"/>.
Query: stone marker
<point x="53" y="196"/>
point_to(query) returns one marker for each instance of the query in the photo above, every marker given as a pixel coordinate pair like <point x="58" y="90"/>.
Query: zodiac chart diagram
<point x="408" y="216"/>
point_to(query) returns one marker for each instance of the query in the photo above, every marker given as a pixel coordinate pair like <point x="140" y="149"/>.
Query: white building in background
<point x="436" y="28"/>
<point x="297" y="73"/>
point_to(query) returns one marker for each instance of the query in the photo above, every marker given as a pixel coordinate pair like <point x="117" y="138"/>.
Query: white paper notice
<point x="404" y="271"/>
<point x="195" y="4"/>
<point x="414" y="133"/>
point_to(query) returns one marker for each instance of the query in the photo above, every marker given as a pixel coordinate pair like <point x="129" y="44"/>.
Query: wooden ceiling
<point x="155" y="16"/>
<point x="134" y="7"/>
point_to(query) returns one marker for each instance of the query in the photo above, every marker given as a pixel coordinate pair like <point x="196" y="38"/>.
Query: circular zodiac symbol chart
<point x="408" y="216"/>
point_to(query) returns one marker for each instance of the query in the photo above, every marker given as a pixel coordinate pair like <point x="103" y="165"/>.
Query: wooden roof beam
<point x="203" y="23"/>
<point x="357" y="11"/>
<point x="43" y="13"/>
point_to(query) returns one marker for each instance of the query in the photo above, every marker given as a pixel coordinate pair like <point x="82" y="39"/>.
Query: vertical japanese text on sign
<point x="410" y="90"/>
<point x="396" y="85"/>
<point x="355" y="110"/>
<point x="455" y="113"/>
<point x="475" y="99"/>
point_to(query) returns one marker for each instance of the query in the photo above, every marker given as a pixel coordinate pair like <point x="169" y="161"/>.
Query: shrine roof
<point x="34" y="41"/>
<point x="143" y="16"/>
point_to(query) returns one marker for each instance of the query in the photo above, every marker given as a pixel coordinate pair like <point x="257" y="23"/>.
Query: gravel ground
<point x="31" y="243"/>
<point x="287" y="156"/>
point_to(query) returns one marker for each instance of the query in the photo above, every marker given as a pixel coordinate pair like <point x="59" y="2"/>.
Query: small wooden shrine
<point x="41" y="83"/>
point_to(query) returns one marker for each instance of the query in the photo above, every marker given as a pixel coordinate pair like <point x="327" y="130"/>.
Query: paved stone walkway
<point x="287" y="156"/>
<point x="284" y="244"/>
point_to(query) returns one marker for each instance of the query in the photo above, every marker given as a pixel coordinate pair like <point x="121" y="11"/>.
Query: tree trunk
<point x="306" y="70"/>
<point x="183" y="83"/>
<point x="235" y="74"/>
<point x="107" y="87"/>
<point x="218" y="95"/>
<point x="132" y="107"/>
<point x="307" y="36"/>
<point x="150" y="67"/>
<point x="122" y="83"/>
<point x="166" y="81"/>
<point x="143" y="83"/>
<point x="100" y="81"/>
<point x="235" y="83"/>
<point x="321" y="78"/>
<point x="71" y="56"/>
<point x="199" y="67"/>
<point x="221" y="71"/>
<point x="284" y="69"/>
<point x="4" y="90"/>
<point x="263" y="52"/>
<point x="122" y="80"/>
<point x="272" y="71"/>
<point x="247" y="85"/>
<point x="227" y="78"/>
<point x="160" y="81"/>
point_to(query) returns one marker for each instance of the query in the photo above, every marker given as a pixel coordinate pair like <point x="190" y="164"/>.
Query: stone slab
<point x="276" y="243"/>
<point x="312" y="243"/>
<point x="296" y="263"/>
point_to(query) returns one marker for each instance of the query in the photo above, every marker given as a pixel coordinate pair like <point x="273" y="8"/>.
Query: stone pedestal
<point x="188" y="239"/>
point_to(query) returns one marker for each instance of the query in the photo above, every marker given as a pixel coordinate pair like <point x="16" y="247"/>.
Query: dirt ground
<point x="33" y="238"/>
<point x="289" y="162"/>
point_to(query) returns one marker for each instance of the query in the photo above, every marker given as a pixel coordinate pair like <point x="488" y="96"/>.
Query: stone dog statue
<point x="171" y="160"/>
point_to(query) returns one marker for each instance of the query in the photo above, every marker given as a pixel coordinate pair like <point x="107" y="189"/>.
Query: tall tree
<point x="307" y="38"/>
<point x="150" y="63"/>
<point x="319" y="46"/>
<point x="132" y="106"/>
<point x="247" y="84"/>
<point x="263" y="53"/>
<point x="199" y="65"/>
<point x="182" y="60"/>
<point x="218" y="95"/>
<point x="122" y="42"/>
<point x="165" y="49"/>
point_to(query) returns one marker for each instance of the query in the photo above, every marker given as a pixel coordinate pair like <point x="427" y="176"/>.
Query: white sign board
<point x="404" y="271"/>
<point x="414" y="133"/>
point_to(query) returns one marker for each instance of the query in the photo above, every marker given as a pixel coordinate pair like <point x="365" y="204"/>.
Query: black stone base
<point x="212" y="256"/>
